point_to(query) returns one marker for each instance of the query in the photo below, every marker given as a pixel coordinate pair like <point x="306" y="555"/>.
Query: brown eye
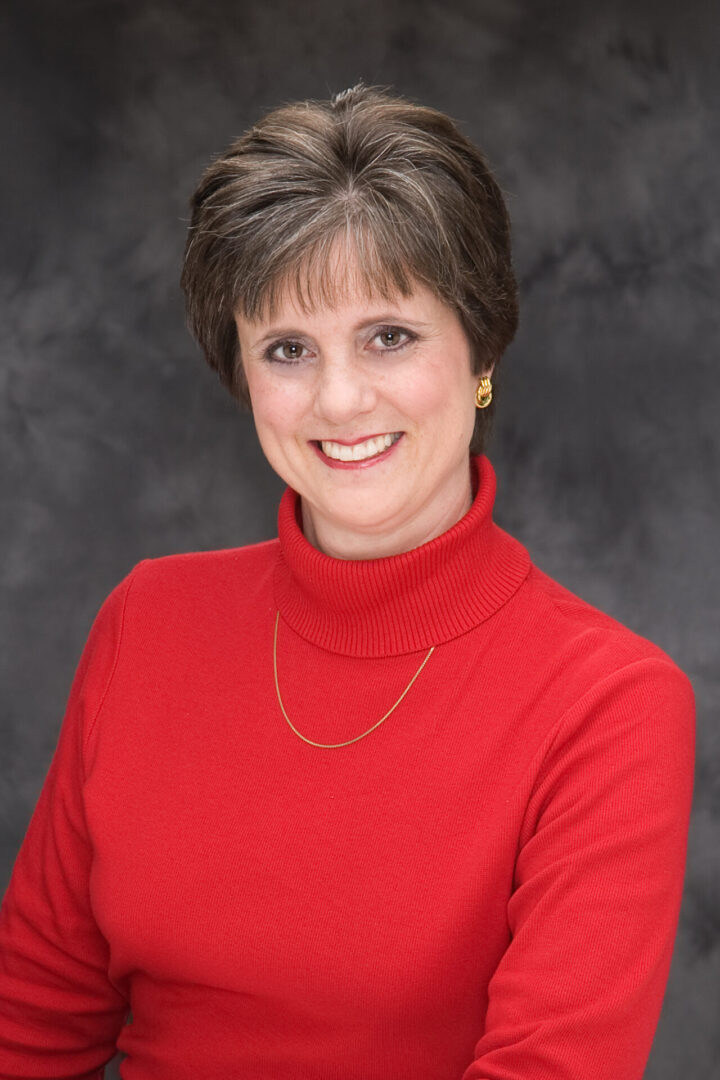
<point x="291" y="350"/>
<point x="285" y="352"/>
<point x="392" y="337"/>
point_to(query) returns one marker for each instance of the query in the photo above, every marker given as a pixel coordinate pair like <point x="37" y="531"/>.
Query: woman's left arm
<point x="598" y="884"/>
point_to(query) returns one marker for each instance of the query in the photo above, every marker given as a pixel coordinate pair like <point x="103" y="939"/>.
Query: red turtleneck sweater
<point x="486" y="887"/>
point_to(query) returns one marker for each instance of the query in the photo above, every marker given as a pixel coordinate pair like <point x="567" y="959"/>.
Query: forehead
<point x="340" y="275"/>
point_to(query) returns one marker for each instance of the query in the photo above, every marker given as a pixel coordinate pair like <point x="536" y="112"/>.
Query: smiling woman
<point x="368" y="419"/>
<point x="376" y="798"/>
<point x="367" y="196"/>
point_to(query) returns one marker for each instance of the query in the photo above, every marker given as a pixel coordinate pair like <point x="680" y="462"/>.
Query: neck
<point x="406" y="603"/>
<point x="430" y="522"/>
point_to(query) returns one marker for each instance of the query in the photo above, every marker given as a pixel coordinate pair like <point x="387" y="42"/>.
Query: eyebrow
<point x="386" y="317"/>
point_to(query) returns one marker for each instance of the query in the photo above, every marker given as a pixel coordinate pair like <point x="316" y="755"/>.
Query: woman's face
<point x="366" y="409"/>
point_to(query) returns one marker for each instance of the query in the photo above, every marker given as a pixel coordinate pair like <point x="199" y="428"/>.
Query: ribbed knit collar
<point x="407" y="602"/>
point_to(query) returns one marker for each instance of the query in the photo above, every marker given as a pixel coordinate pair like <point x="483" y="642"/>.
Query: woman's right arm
<point x="59" y="1013"/>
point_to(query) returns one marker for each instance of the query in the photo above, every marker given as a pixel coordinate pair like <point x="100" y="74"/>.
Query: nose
<point x="343" y="390"/>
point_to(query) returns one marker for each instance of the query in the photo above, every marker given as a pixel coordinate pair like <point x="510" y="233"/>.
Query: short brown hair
<point x="399" y="180"/>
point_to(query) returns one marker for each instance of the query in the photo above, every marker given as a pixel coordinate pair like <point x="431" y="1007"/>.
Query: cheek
<point x="276" y="409"/>
<point x="443" y="395"/>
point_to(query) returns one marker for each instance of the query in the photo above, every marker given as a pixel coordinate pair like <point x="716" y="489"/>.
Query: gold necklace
<point x="334" y="746"/>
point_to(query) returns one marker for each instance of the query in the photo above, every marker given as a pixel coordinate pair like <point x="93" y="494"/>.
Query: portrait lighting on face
<point x="366" y="408"/>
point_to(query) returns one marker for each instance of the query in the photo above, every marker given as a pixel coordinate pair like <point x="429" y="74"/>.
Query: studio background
<point x="117" y="443"/>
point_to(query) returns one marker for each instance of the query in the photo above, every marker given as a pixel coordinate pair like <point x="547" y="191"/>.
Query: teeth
<point x="360" y="451"/>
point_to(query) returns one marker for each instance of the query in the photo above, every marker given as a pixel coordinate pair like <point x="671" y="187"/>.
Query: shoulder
<point x="207" y="565"/>
<point x="203" y="571"/>
<point x="616" y="697"/>
<point x="570" y="620"/>
<point x="201" y="588"/>
<point x="587" y="647"/>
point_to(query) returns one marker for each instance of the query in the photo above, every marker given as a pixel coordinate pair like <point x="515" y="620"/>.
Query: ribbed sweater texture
<point x="486" y="887"/>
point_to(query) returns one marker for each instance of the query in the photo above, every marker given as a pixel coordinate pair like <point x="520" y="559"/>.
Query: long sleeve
<point x="486" y="887"/>
<point x="596" y="897"/>
<point x="59" y="1013"/>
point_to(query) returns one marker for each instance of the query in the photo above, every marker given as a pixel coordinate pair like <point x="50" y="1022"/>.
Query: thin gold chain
<point x="334" y="746"/>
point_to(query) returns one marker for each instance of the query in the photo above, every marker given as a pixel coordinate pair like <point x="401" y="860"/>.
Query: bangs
<point x="330" y="269"/>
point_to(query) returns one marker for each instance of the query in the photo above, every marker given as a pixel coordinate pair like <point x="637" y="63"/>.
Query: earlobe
<point x="483" y="393"/>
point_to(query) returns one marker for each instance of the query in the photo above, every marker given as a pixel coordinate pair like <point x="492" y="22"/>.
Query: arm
<point x="59" y="1014"/>
<point x="597" y="888"/>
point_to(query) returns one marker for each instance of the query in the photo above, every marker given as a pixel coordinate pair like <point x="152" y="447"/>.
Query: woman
<point x="377" y="798"/>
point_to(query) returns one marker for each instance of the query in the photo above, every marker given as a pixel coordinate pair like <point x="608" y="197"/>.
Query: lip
<point x="361" y="438"/>
<point x="332" y="463"/>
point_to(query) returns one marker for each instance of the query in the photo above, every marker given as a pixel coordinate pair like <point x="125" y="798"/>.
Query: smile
<point x="362" y="451"/>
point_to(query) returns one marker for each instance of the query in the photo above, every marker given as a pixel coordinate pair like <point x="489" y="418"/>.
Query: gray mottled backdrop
<point x="602" y="120"/>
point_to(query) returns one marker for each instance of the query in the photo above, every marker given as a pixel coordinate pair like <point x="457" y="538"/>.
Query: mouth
<point x="357" y="454"/>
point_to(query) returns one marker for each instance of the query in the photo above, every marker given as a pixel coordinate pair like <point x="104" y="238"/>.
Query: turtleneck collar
<point x="407" y="602"/>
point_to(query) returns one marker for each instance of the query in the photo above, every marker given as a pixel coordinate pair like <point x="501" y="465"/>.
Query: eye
<point x="392" y="338"/>
<point x="285" y="352"/>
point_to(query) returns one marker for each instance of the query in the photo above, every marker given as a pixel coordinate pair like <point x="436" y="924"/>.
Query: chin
<point x="361" y="508"/>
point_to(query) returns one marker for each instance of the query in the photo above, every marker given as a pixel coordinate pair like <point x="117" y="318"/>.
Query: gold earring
<point x="483" y="394"/>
